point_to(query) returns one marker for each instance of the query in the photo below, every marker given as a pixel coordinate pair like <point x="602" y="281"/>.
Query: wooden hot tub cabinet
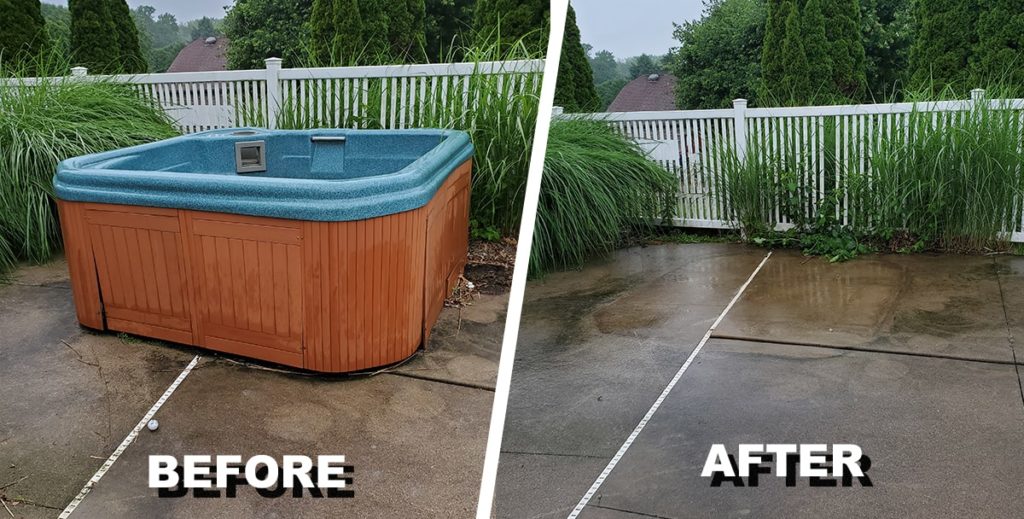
<point x="323" y="296"/>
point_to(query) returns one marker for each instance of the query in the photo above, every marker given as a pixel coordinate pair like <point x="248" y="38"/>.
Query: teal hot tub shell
<point x="321" y="175"/>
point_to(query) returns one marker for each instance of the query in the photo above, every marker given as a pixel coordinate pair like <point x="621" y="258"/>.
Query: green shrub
<point x="597" y="185"/>
<point x="44" y="123"/>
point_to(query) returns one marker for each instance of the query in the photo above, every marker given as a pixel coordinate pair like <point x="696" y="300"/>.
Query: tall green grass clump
<point x="953" y="180"/>
<point x="597" y="185"/>
<point x="45" y="121"/>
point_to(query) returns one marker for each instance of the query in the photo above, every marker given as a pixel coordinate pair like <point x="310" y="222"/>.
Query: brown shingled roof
<point x="643" y="95"/>
<point x="199" y="56"/>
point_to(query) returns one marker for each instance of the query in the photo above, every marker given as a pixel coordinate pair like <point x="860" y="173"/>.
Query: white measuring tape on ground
<point x="127" y="441"/>
<point x="661" y="398"/>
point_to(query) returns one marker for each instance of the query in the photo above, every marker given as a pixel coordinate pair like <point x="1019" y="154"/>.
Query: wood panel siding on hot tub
<point x="325" y="259"/>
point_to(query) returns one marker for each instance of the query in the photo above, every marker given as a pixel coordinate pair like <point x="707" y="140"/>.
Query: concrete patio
<point x="911" y="357"/>
<point x="415" y="434"/>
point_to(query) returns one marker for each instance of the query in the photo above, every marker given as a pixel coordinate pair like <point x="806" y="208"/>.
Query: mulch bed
<point x="489" y="268"/>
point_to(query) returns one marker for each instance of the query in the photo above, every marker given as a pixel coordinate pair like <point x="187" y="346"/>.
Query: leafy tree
<point x="644" y="65"/>
<point x="772" y="69"/>
<point x="887" y="33"/>
<point x="605" y="67"/>
<point x="816" y="48"/>
<point x="203" y="28"/>
<point x="999" y="53"/>
<point x="514" y="20"/>
<point x="164" y="31"/>
<point x="160" y="59"/>
<point x="23" y="31"/>
<point x="575" y="87"/>
<point x="796" y="79"/>
<point x="842" y="29"/>
<point x="945" y="33"/>
<point x="717" y="59"/>
<point x="446" y="22"/>
<point x="261" y="29"/>
<point x="609" y="90"/>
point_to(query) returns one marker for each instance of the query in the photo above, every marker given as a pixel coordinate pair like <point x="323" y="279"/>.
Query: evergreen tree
<point x="203" y="28"/>
<point x="406" y="32"/>
<point x="23" y="32"/>
<point x="514" y="20"/>
<point x="376" y="47"/>
<point x="999" y="53"/>
<point x="771" y="51"/>
<point x="130" y="58"/>
<point x="644" y="65"/>
<point x="796" y="79"/>
<point x="945" y="33"/>
<point x="816" y="47"/>
<point x="575" y="88"/>
<point x="321" y="31"/>
<point x="260" y="29"/>
<point x="94" y="41"/>
<point x="843" y="31"/>
<point x="446" y="23"/>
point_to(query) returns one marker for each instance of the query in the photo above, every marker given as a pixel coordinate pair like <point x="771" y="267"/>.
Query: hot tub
<point x="328" y="250"/>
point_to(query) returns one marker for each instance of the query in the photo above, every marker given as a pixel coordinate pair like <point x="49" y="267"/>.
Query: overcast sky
<point x="632" y="27"/>
<point x="183" y="10"/>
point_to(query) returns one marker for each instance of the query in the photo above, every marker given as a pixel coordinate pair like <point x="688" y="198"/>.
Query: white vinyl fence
<point x="392" y="96"/>
<point x="690" y="143"/>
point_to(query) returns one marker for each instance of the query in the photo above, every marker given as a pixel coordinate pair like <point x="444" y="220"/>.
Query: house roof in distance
<point x="202" y="55"/>
<point x="646" y="93"/>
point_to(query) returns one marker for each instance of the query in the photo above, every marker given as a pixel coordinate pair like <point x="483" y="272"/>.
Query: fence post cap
<point x="79" y="71"/>
<point x="273" y="62"/>
<point x="977" y="93"/>
<point x="557" y="110"/>
<point x="739" y="103"/>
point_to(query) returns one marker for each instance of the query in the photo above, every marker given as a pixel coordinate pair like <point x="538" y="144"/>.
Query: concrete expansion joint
<point x="558" y="454"/>
<point x="628" y="511"/>
<point x="439" y="380"/>
<point x="1009" y="334"/>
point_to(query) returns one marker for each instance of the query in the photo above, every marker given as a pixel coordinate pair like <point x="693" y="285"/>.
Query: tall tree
<point x="819" y="60"/>
<point x="604" y="66"/>
<point x="23" y="32"/>
<point x="796" y="77"/>
<point x="406" y="31"/>
<point x="514" y="20"/>
<point x="718" y="55"/>
<point x="945" y="33"/>
<point x="447" y="21"/>
<point x="999" y="54"/>
<point x="203" y="28"/>
<point x="130" y="58"/>
<point x="94" y="40"/>
<point x="575" y="87"/>
<point x="842" y="28"/>
<point x="887" y="32"/>
<point x="58" y="28"/>
<point x="376" y="48"/>
<point x="771" y="51"/>
<point x="261" y="29"/>
<point x="644" y="65"/>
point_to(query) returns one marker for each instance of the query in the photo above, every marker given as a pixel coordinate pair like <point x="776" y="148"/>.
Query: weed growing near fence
<point x="42" y="124"/>
<point x="597" y="185"/>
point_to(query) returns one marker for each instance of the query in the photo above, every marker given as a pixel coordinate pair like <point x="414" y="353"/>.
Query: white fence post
<point x="79" y="71"/>
<point x="273" y="90"/>
<point x="739" y="107"/>
<point x="557" y="111"/>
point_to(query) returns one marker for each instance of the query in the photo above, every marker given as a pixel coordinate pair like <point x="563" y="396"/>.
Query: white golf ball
<point x="153" y="424"/>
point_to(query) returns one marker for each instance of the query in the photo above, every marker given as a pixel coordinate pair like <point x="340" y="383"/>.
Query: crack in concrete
<point x="627" y="511"/>
<point x="807" y="344"/>
<point x="1009" y="332"/>
<point x="28" y="502"/>
<point x="528" y="453"/>
<point x="439" y="380"/>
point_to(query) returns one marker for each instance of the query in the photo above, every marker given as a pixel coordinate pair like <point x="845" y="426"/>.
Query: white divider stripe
<point x="127" y="441"/>
<point x="559" y="9"/>
<point x="661" y="398"/>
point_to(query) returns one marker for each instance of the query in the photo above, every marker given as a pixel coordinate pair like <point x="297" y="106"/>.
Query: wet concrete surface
<point x="946" y="436"/>
<point x="69" y="396"/>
